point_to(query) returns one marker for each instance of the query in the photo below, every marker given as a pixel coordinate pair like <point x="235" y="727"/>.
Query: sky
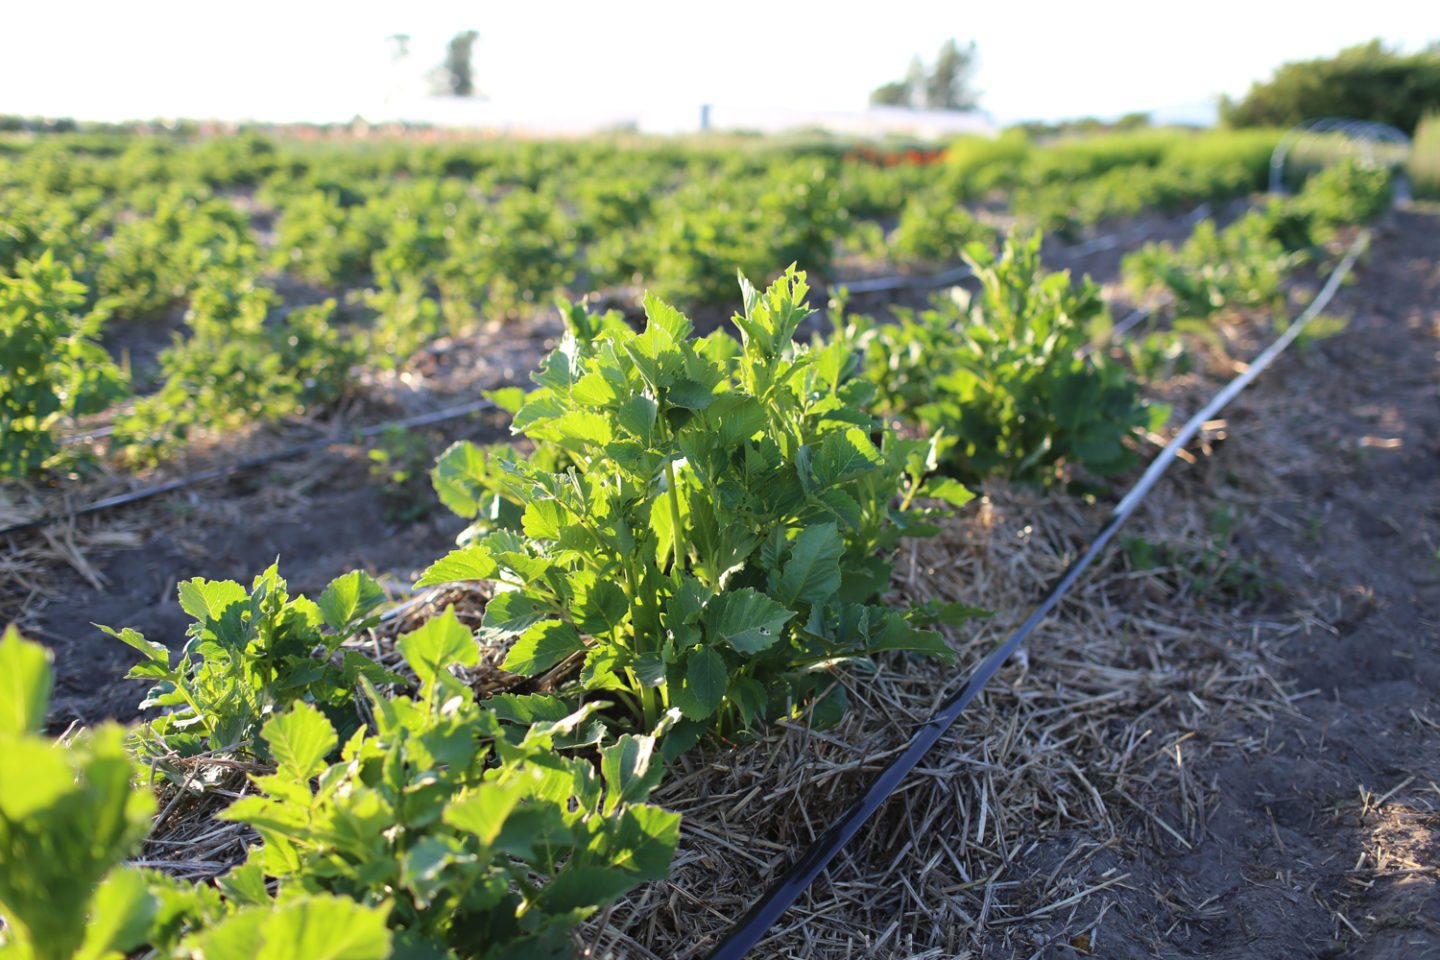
<point x="578" y="62"/>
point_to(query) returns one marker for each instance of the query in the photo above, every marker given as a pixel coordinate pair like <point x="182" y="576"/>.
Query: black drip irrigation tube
<point x="783" y="893"/>
<point x="290" y="453"/>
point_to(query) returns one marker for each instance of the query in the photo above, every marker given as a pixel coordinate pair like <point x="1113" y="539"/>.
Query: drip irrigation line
<point x="783" y="893"/>
<point x="290" y="453"/>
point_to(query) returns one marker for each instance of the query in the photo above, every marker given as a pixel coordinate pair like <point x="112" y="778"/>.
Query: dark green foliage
<point x="245" y="361"/>
<point x="934" y="229"/>
<point x="1364" y="82"/>
<point x="1245" y="264"/>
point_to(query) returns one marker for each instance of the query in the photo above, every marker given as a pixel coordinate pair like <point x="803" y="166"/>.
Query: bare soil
<point x="1326" y="842"/>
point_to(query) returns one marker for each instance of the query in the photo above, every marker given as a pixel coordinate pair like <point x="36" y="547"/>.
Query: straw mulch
<point x="1014" y="833"/>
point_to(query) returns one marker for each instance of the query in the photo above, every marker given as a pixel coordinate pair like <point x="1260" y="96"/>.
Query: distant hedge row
<point x="1368" y="82"/>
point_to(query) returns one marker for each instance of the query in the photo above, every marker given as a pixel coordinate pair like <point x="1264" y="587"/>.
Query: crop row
<point x="382" y="249"/>
<point x="693" y="541"/>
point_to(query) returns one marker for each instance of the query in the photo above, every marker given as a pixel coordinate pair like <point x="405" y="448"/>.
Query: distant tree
<point x="896" y="93"/>
<point x="945" y="87"/>
<point x="456" y="76"/>
<point x="949" y="85"/>
<point x="1368" y="82"/>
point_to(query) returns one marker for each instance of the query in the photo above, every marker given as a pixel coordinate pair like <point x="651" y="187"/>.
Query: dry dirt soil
<point x="1326" y="843"/>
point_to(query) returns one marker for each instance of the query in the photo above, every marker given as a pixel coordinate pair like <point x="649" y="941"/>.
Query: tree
<point x="455" y="77"/>
<point x="946" y="87"/>
<point x="896" y="93"/>
<point x="1367" y="82"/>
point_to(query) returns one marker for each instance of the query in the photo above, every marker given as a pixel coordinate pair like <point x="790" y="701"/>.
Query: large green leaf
<point x="812" y="574"/>
<point x="542" y="646"/>
<point x="310" y="928"/>
<point x="747" y="619"/>
<point x="349" y="598"/>
<point x="25" y="682"/>
<point x="300" y="740"/>
<point x="466" y="563"/>
<point x="703" y="686"/>
<point x="441" y="643"/>
<point x="631" y="769"/>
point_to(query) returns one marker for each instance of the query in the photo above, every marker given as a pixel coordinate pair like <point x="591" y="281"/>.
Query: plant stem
<point x="676" y="529"/>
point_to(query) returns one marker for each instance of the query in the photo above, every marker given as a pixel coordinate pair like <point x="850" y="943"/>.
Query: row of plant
<point x="1245" y="264"/>
<point x="695" y="544"/>
<point x="393" y="245"/>
<point x="694" y="540"/>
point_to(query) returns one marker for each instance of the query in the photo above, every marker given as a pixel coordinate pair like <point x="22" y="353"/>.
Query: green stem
<point x="677" y="530"/>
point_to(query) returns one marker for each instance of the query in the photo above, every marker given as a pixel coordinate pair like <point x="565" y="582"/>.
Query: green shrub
<point x="1000" y="377"/>
<point x="248" y="654"/>
<point x="480" y="838"/>
<point x="1243" y="265"/>
<point x="51" y="366"/>
<point x="1366" y="82"/>
<point x="245" y="361"/>
<point x="704" y="524"/>
<point x="934" y="230"/>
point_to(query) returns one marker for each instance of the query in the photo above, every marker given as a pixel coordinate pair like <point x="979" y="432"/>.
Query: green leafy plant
<point x="250" y="653"/>
<point x="1242" y="266"/>
<point x="1000" y="377"/>
<point x="704" y="523"/>
<point x="245" y="361"/>
<point x="934" y="229"/>
<point x="51" y="366"/>
<point x="398" y="461"/>
<point x="476" y="836"/>
<point x="68" y="817"/>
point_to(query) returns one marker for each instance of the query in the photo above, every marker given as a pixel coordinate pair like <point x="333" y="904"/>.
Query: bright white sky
<point x="306" y="60"/>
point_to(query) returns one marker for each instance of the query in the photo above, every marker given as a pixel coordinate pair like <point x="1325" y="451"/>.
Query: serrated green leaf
<point x="459" y="478"/>
<point x="542" y="646"/>
<point x="513" y="612"/>
<point x="947" y="489"/>
<point x="584" y="889"/>
<point x="543" y="519"/>
<point x="154" y="652"/>
<point x="527" y="709"/>
<point x="300" y="740"/>
<point x="482" y="811"/>
<point x="637" y="416"/>
<point x="310" y="928"/>
<point x="703" y="687"/>
<point x="747" y="619"/>
<point x="812" y="574"/>
<point x="431" y="650"/>
<point x="349" y="598"/>
<point x="467" y="563"/>
<point x="631" y="770"/>
<point x="208" y="599"/>
<point x="665" y="317"/>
